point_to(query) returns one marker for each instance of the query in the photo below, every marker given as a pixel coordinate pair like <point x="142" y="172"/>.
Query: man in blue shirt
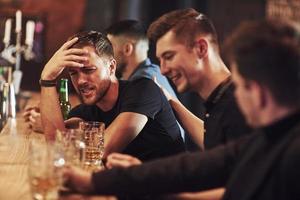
<point x="131" y="45"/>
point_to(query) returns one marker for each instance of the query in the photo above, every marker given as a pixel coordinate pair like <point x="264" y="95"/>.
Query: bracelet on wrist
<point x="47" y="83"/>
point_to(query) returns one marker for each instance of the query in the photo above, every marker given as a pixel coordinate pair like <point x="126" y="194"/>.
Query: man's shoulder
<point x="82" y="106"/>
<point x="146" y="71"/>
<point x="150" y="70"/>
<point x="82" y="109"/>
<point x="85" y="112"/>
<point x="142" y="81"/>
<point x="142" y="87"/>
<point x="228" y="101"/>
<point x="293" y="149"/>
<point x="77" y="108"/>
<point x="290" y="161"/>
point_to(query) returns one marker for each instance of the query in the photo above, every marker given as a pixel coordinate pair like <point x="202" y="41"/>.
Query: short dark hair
<point x="186" y="24"/>
<point x="129" y="28"/>
<point x="95" y="39"/>
<point x="268" y="52"/>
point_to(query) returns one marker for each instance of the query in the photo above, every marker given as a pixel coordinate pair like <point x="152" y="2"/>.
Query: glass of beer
<point x="44" y="170"/>
<point x="72" y="144"/>
<point x="94" y="142"/>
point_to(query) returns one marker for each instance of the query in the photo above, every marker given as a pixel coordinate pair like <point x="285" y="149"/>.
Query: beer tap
<point x="12" y="53"/>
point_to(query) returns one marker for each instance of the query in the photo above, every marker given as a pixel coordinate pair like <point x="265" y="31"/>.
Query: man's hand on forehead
<point x="63" y="58"/>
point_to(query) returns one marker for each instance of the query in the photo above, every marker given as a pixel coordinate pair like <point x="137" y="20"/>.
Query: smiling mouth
<point x="175" y="78"/>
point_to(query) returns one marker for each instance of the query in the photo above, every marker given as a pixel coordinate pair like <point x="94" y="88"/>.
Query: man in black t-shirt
<point x="137" y="115"/>
<point x="159" y="137"/>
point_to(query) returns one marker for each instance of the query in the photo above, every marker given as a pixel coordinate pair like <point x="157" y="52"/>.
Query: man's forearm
<point x="181" y="173"/>
<point x="52" y="118"/>
<point x="191" y="123"/>
<point x="50" y="112"/>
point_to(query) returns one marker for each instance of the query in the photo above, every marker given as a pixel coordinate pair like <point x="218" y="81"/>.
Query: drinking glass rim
<point x="92" y="123"/>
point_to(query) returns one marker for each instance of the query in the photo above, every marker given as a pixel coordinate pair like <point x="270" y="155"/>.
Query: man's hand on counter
<point x="32" y="116"/>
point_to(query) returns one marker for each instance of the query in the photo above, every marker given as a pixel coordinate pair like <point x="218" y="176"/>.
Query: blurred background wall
<point x="59" y="19"/>
<point x="62" y="18"/>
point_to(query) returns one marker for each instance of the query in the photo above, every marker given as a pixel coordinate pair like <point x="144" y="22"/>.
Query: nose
<point x="81" y="78"/>
<point x="163" y="68"/>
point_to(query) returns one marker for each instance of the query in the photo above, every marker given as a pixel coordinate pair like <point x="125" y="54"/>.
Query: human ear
<point x="128" y="49"/>
<point x="112" y="66"/>
<point x="259" y="94"/>
<point x="201" y="47"/>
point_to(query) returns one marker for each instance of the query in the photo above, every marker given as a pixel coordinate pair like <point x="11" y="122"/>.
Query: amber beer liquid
<point x="65" y="105"/>
<point x="44" y="188"/>
<point x="94" y="142"/>
<point x="92" y="154"/>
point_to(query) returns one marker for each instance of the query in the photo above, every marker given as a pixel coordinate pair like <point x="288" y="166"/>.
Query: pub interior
<point x="31" y="32"/>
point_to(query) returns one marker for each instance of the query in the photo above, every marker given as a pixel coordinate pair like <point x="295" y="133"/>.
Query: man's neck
<point x="132" y="64"/>
<point x="111" y="97"/>
<point x="213" y="78"/>
<point x="274" y="112"/>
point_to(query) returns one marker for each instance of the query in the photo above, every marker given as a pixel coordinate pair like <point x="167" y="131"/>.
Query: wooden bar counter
<point x="14" y="158"/>
<point x="14" y="148"/>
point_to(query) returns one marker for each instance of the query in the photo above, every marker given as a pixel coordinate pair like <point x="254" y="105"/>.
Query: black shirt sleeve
<point x="290" y="173"/>
<point x="85" y="112"/>
<point x="142" y="96"/>
<point x="75" y="112"/>
<point x="184" y="172"/>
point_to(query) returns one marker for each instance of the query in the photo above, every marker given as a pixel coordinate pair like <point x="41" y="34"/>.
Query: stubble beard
<point x="183" y="87"/>
<point x="100" y="93"/>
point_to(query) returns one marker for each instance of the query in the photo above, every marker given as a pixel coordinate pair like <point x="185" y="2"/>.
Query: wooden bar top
<point x="14" y="148"/>
<point x="14" y="158"/>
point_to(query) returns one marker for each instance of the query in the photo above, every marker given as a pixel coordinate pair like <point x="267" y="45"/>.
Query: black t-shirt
<point x="223" y="120"/>
<point x="160" y="136"/>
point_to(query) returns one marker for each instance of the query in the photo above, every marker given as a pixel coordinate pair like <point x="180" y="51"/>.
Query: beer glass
<point x="44" y="170"/>
<point x="72" y="144"/>
<point x="94" y="142"/>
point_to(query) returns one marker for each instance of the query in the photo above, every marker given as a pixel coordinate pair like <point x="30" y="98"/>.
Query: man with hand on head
<point x="139" y="120"/>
